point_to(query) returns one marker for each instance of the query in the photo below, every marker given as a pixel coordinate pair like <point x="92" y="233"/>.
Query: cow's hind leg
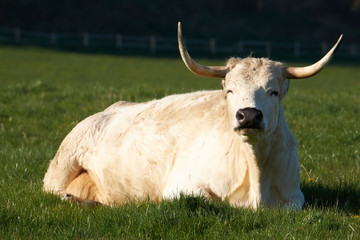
<point x="62" y="170"/>
<point x="84" y="190"/>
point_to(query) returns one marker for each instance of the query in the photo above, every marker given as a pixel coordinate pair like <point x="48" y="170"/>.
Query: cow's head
<point x="254" y="88"/>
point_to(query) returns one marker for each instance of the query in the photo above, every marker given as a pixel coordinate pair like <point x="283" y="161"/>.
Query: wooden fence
<point x="155" y="44"/>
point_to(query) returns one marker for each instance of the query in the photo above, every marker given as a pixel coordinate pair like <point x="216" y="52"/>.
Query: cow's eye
<point x="229" y="91"/>
<point x="274" y="93"/>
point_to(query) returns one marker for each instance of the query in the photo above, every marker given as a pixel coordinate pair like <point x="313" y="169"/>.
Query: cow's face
<point x="254" y="89"/>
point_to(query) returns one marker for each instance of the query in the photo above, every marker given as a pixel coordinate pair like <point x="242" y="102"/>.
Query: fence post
<point x="152" y="44"/>
<point x="212" y="45"/>
<point x="323" y="48"/>
<point x="17" y="35"/>
<point x="53" y="38"/>
<point x="240" y="46"/>
<point x="85" y="39"/>
<point x="119" y="40"/>
<point x="353" y="50"/>
<point x="268" y="48"/>
<point x="296" y="49"/>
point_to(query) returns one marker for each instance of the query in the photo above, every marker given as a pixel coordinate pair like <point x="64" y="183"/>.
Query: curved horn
<point x="198" y="69"/>
<point x="308" y="71"/>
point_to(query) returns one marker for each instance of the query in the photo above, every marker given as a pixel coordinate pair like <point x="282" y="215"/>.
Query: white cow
<point x="232" y="144"/>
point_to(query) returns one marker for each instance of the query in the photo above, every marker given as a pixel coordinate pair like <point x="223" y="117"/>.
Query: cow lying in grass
<point x="232" y="144"/>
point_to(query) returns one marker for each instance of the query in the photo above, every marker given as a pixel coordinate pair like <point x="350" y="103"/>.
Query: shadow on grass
<point x="345" y="197"/>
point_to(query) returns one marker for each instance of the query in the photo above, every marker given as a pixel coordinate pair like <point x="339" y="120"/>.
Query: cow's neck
<point x="251" y="159"/>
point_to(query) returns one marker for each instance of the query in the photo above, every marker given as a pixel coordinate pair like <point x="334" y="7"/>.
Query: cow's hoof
<point x="90" y="203"/>
<point x="68" y="197"/>
<point x="87" y="203"/>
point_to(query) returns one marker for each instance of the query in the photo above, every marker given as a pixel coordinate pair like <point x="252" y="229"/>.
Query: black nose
<point x="249" y="117"/>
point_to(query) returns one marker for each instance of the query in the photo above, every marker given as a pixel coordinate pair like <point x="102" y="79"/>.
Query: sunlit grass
<point x="43" y="94"/>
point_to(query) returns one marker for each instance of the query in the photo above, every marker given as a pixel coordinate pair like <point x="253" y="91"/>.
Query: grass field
<point x="44" y="93"/>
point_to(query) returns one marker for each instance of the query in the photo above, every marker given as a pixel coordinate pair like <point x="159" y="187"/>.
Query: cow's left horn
<point x="198" y="69"/>
<point x="308" y="71"/>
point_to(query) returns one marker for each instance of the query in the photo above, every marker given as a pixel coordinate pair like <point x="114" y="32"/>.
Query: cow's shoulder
<point x="119" y="104"/>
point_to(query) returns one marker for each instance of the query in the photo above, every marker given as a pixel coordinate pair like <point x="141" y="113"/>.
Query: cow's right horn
<point x="198" y="69"/>
<point x="308" y="71"/>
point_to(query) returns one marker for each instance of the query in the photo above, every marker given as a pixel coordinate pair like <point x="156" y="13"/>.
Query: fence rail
<point x="155" y="44"/>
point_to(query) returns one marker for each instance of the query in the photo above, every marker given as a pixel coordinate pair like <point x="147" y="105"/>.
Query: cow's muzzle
<point x="249" y="118"/>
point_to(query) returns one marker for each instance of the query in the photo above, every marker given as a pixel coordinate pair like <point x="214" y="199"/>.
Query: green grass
<point x="44" y="93"/>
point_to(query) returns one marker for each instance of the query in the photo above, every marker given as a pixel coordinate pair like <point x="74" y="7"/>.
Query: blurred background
<point x="265" y="26"/>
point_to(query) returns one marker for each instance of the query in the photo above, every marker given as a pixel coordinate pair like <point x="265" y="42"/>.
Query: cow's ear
<point x="223" y="84"/>
<point x="285" y="87"/>
<point x="288" y="86"/>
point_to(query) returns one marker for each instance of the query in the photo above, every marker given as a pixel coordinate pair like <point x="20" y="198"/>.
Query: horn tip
<point x="179" y="28"/>
<point x="338" y="42"/>
<point x="180" y="37"/>
<point x="341" y="37"/>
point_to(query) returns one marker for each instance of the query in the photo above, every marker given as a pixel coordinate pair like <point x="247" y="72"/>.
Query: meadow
<point x="45" y="93"/>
